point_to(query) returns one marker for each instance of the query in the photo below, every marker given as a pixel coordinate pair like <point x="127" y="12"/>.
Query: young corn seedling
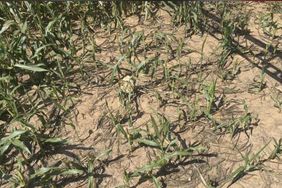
<point x="129" y="134"/>
<point x="116" y="70"/>
<point x="209" y="93"/>
<point x="166" y="40"/>
<point x="167" y="74"/>
<point x="116" y="14"/>
<point x="14" y="140"/>
<point x="179" y="49"/>
<point x="129" y="42"/>
<point x="251" y="163"/>
<point x="115" y="121"/>
<point x="44" y="176"/>
<point x="276" y="96"/>
<point x="149" y="66"/>
<point x="194" y="110"/>
<point x="268" y="24"/>
<point x="241" y="21"/>
<point x="227" y="44"/>
<point x="90" y="166"/>
<point x="148" y="9"/>
<point x="161" y="137"/>
<point x="229" y="73"/>
<point x="277" y="151"/>
<point x="258" y="85"/>
<point x="237" y="124"/>
<point x="150" y="169"/>
<point x="189" y="14"/>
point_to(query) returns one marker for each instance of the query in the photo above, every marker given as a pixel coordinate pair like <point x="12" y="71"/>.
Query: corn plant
<point x="229" y="73"/>
<point x="128" y="44"/>
<point x="50" y="51"/>
<point x="189" y="14"/>
<point x="277" y="151"/>
<point x="276" y="97"/>
<point x="164" y="39"/>
<point x="148" y="170"/>
<point x="228" y="27"/>
<point x="131" y="134"/>
<point x="161" y="137"/>
<point x="258" y="84"/>
<point x="209" y="93"/>
<point x="251" y="163"/>
<point x="36" y="64"/>
<point x="149" y="66"/>
<point x="193" y="109"/>
<point x="268" y="24"/>
<point x="239" y="124"/>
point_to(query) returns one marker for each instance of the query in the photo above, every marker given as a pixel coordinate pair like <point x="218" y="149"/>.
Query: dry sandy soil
<point x="94" y="134"/>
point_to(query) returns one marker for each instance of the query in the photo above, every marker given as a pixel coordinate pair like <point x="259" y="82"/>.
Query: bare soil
<point x="94" y="134"/>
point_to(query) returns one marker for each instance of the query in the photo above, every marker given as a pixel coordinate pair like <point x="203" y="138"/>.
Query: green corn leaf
<point x="55" y="141"/>
<point x="157" y="182"/>
<point x="90" y="170"/>
<point x="6" y="25"/>
<point x="121" y="129"/>
<point x="3" y="149"/>
<point x="38" y="50"/>
<point x="151" y="166"/>
<point x="51" y="24"/>
<point x="34" y="68"/>
<point x="104" y="153"/>
<point x="16" y="133"/>
<point x="155" y="126"/>
<point x="46" y="172"/>
<point x="11" y="136"/>
<point x="40" y="172"/>
<point x="141" y="66"/>
<point x="5" y="78"/>
<point x="148" y="142"/>
<point x="20" y="145"/>
<point x="23" y="27"/>
<point x="71" y="172"/>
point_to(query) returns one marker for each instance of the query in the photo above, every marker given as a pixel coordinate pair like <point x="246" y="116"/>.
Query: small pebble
<point x="279" y="75"/>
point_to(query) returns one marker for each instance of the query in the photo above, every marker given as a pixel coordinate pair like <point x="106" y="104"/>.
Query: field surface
<point x="140" y="94"/>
